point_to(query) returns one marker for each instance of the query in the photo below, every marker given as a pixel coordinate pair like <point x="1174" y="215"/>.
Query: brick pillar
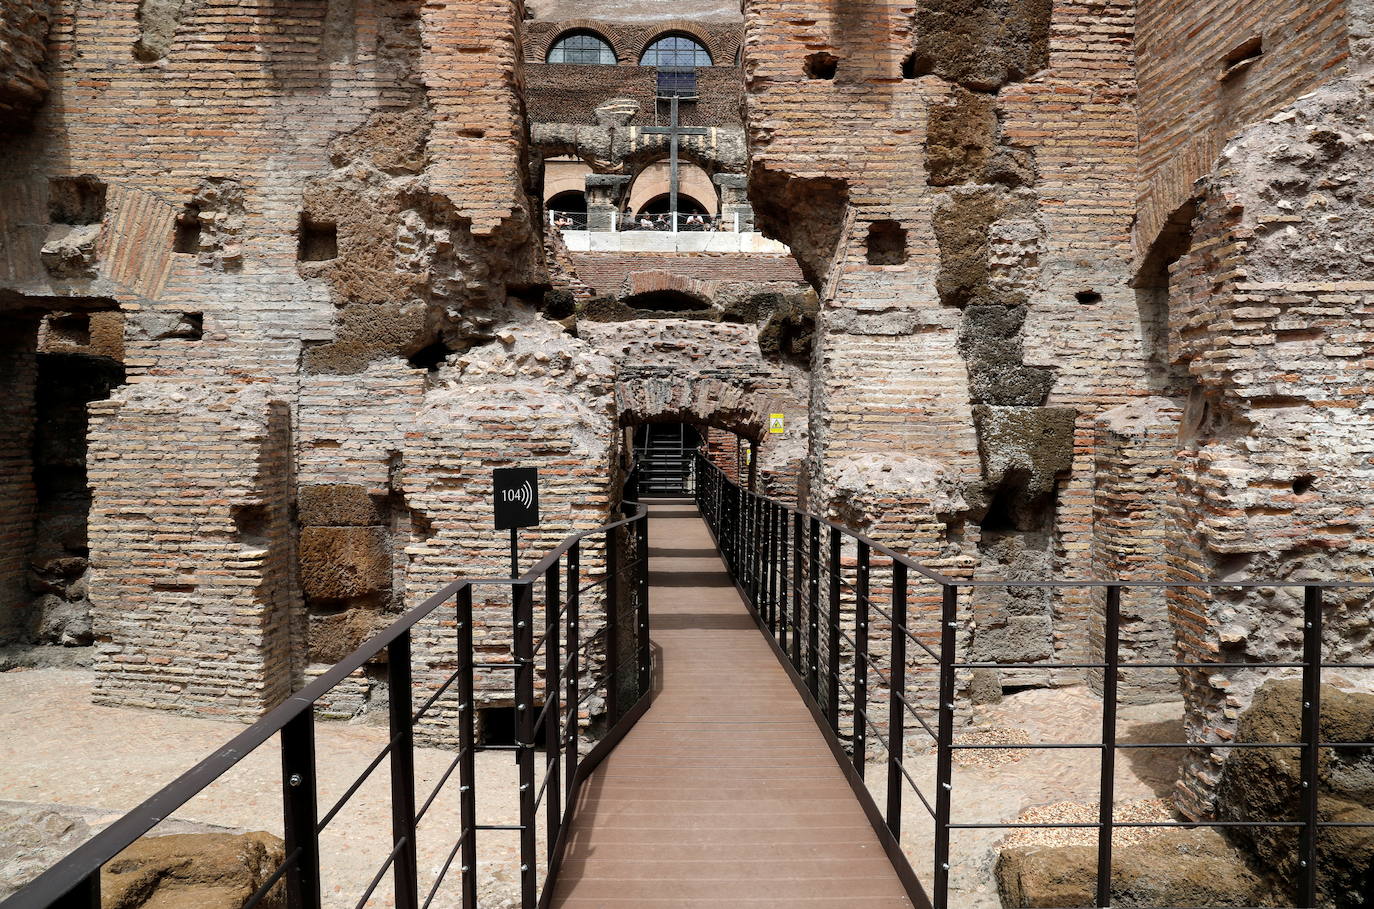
<point x="18" y="375"/>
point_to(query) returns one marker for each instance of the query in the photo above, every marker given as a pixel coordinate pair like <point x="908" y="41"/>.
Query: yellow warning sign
<point x="776" y="424"/>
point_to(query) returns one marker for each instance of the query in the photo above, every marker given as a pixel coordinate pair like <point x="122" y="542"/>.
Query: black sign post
<point x="515" y="495"/>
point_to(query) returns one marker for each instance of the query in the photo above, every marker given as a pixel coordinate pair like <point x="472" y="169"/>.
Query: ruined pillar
<point x="1136" y="452"/>
<point x="604" y="192"/>
<point x="734" y="200"/>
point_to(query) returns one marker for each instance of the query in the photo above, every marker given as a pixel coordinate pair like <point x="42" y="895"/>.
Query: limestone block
<point x="337" y="505"/>
<point x="344" y="562"/>
<point x="1175" y="868"/>
<point x="1266" y="784"/>
<point x="333" y="637"/>
<point x="193" y="871"/>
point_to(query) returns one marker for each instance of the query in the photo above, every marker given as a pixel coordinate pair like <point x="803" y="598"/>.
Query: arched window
<point x="582" y="47"/>
<point x="676" y="50"/>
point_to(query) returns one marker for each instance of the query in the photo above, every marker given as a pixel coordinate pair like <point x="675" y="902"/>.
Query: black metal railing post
<point x="783" y="525"/>
<point x="523" y="614"/>
<point x="553" y="711"/>
<point x="1111" y="650"/>
<point x="1311" y="737"/>
<point x="861" y="593"/>
<point x="405" y="869"/>
<point x="772" y="574"/>
<point x="896" y="718"/>
<point x="797" y="524"/>
<point x="642" y="610"/>
<point x="944" y="742"/>
<point x="813" y="614"/>
<point x="612" y="626"/>
<point x="301" y="814"/>
<point x="832" y="695"/>
<point x="467" y="749"/>
<point x="574" y="663"/>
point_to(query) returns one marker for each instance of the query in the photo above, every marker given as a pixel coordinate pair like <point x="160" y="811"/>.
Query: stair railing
<point x="617" y="666"/>
<point x="873" y="640"/>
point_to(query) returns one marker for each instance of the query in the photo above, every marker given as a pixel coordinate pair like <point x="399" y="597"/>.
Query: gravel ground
<point x="106" y="760"/>
<point x="1038" y="785"/>
<point x="60" y="749"/>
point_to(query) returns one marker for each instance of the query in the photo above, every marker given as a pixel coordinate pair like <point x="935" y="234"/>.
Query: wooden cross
<point x="675" y="131"/>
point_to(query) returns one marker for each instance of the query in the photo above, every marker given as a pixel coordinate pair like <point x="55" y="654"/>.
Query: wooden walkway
<point x="725" y="793"/>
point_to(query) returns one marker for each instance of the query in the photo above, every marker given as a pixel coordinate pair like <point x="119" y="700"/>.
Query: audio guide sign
<point x="516" y="495"/>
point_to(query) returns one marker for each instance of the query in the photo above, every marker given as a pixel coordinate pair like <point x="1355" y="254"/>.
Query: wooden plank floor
<point x="725" y="793"/>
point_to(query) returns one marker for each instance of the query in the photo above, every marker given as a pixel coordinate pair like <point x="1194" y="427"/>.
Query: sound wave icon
<point x="524" y="495"/>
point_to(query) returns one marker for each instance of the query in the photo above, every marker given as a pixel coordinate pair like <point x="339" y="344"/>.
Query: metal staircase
<point x="666" y="455"/>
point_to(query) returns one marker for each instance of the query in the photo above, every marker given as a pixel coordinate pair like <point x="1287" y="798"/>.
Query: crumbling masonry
<point x="1077" y="289"/>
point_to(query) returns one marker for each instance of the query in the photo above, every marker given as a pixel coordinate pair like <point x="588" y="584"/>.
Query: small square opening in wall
<point x="917" y="65"/>
<point x="187" y="239"/>
<point x="822" y="66"/>
<point x="70" y="328"/>
<point x="1088" y="297"/>
<point x="319" y="241"/>
<point x="886" y="243"/>
<point x="1241" y="57"/>
<point x="76" y="200"/>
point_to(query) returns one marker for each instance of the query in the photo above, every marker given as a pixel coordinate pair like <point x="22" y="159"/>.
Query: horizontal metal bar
<point x="87" y="859"/>
<point x="1146" y="666"/>
<point x="498" y="827"/>
<point x="1096" y="826"/>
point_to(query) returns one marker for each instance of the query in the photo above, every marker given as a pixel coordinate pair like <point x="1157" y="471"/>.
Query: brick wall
<point x="1269" y="314"/>
<point x="1136" y="451"/>
<point x="609" y="273"/>
<point x="18" y="377"/>
<point x="1024" y="205"/>
<point x="1188" y="111"/>
<point x="192" y="550"/>
<point x="571" y="93"/>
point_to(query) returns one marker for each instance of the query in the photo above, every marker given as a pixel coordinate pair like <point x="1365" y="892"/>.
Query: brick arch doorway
<point x="668" y="418"/>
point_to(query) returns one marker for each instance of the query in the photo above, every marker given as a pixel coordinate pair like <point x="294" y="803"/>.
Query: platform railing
<point x="610" y="665"/>
<point x="826" y="595"/>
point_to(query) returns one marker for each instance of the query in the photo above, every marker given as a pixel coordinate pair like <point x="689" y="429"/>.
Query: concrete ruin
<point x="1044" y="291"/>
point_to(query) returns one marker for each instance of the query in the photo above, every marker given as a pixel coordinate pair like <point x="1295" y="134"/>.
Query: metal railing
<point x="567" y="656"/>
<point x="814" y="588"/>
<point x="682" y="222"/>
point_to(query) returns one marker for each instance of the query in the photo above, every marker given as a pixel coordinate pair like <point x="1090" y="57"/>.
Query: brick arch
<point x="603" y="30"/>
<point x="655" y="280"/>
<point x="690" y="29"/>
<point x="699" y="401"/>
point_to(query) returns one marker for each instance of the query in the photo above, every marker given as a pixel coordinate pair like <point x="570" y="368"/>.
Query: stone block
<point x="337" y="505"/>
<point x="193" y="871"/>
<point x="333" y="637"/>
<point x="1174" y="868"/>
<point x="341" y="563"/>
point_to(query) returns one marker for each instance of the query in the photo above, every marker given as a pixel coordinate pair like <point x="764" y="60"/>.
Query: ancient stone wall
<point x="23" y="31"/>
<point x="1208" y="68"/>
<point x="959" y="189"/>
<point x="301" y="196"/>
<point x="1270" y="313"/>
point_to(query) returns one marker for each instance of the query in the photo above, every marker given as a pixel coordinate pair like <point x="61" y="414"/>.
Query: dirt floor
<point x="1044" y="786"/>
<point x="60" y="750"/>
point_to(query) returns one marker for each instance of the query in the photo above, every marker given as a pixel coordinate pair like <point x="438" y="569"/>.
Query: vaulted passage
<point x="725" y="792"/>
